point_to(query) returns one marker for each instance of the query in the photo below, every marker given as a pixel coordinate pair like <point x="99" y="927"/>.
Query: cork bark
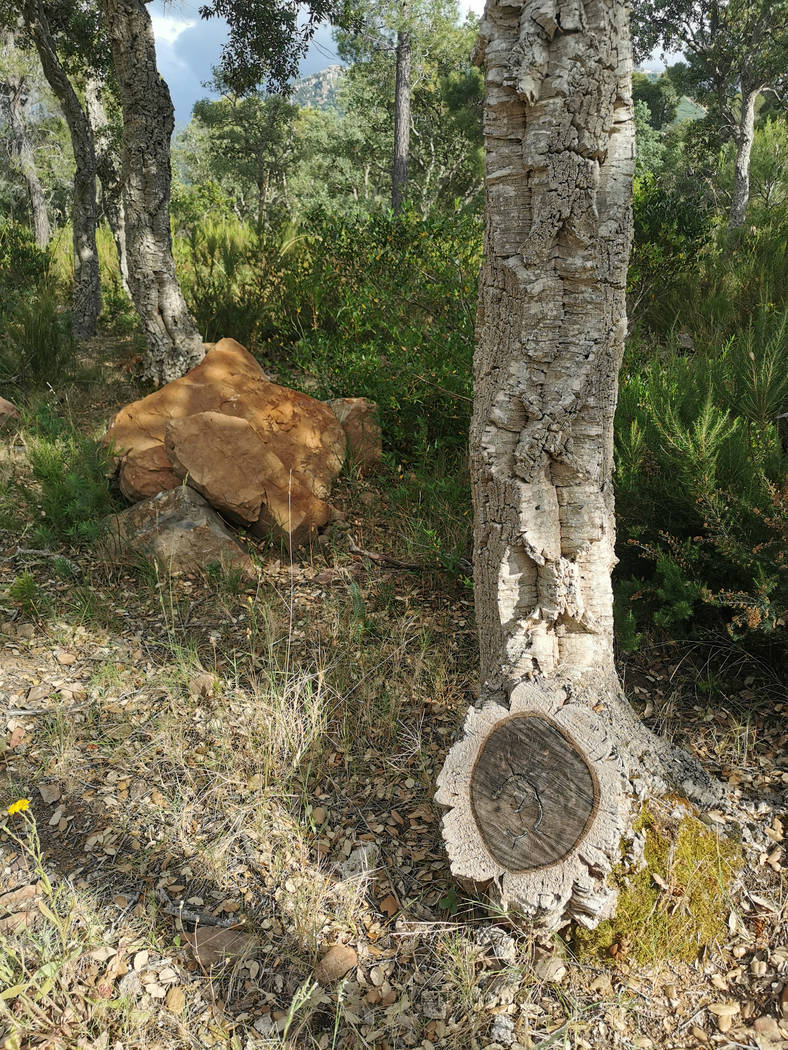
<point x="559" y="138"/>
<point x="174" y="344"/>
<point x="87" y="287"/>
<point x="14" y="90"/>
<point x="109" y="171"/>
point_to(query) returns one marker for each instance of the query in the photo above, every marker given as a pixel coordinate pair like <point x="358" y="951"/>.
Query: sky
<point x="187" y="47"/>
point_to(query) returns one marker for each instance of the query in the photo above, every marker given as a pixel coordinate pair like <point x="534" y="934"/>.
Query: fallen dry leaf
<point x="213" y="944"/>
<point x="337" y="961"/>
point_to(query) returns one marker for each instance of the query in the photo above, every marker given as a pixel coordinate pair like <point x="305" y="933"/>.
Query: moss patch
<point x="675" y="906"/>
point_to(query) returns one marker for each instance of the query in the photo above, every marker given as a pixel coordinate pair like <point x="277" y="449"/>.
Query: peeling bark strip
<point x="174" y="344"/>
<point x="542" y="786"/>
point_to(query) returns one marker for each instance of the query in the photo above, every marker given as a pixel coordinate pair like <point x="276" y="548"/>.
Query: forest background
<point x="286" y="238"/>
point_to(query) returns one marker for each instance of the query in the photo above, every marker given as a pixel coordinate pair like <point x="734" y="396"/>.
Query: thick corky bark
<point x="109" y="172"/>
<point x="744" y="139"/>
<point x="22" y="151"/>
<point x="174" y="344"/>
<point x="87" y="287"/>
<point x="543" y="783"/>
<point x="399" y="181"/>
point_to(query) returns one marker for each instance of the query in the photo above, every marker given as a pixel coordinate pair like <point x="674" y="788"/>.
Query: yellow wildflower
<point x="19" y="806"/>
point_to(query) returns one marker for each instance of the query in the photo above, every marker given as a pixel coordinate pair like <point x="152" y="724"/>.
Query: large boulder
<point x="359" y="419"/>
<point x="8" y="412"/>
<point x="178" y="531"/>
<point x="252" y="485"/>
<point x="288" y="454"/>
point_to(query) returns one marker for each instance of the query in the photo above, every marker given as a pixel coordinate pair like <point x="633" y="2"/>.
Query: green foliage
<point x="649" y="146"/>
<point x="38" y="344"/>
<point x="73" y="492"/>
<point x="28" y="596"/>
<point x="385" y="309"/>
<point x="658" y="94"/>
<point x="700" y="465"/>
<point x="68" y="496"/>
<point x="22" y="264"/>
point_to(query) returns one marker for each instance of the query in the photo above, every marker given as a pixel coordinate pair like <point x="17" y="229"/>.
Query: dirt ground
<point x="229" y="778"/>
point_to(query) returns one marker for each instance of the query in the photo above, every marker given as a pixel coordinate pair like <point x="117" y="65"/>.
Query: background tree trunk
<point x="744" y="140"/>
<point x="109" y="172"/>
<point x="25" y="157"/>
<point x="87" y="287"/>
<point x="174" y="344"/>
<point x="399" y="179"/>
<point x="542" y="786"/>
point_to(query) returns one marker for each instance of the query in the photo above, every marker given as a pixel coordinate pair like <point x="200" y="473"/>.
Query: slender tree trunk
<point x="25" y="158"/>
<point x="744" y="140"/>
<point x="109" y="172"/>
<point x="174" y="344"/>
<point x="87" y="287"/>
<point x="542" y="786"/>
<point x="399" y="180"/>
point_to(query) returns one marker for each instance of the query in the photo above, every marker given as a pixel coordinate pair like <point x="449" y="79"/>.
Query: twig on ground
<point x="383" y="559"/>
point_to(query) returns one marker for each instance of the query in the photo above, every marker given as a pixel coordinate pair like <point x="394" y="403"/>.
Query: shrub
<point x="74" y="495"/>
<point x="38" y="341"/>
<point x="700" y="469"/>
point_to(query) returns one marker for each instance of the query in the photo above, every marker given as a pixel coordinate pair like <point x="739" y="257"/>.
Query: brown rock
<point x="290" y="513"/>
<point x="177" y="530"/>
<point x="251" y="485"/>
<point x="337" y="961"/>
<point x="303" y="433"/>
<point x="359" y="419"/>
<point x="145" y="472"/>
<point x="8" y="412"/>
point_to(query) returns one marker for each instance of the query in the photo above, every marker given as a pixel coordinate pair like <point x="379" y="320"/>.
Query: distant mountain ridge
<point x="319" y="90"/>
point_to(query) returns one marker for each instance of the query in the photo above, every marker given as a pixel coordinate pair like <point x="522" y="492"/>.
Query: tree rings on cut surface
<point x="537" y="805"/>
<point x="533" y="794"/>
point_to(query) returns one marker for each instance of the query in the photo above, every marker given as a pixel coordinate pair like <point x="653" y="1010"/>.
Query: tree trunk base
<point x="542" y="797"/>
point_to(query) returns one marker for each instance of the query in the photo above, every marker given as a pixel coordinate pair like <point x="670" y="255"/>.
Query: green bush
<point x="22" y="264"/>
<point x="700" y="469"/>
<point x="38" y="343"/>
<point x="74" y="495"/>
<point x="69" y="495"/>
<point x="381" y="307"/>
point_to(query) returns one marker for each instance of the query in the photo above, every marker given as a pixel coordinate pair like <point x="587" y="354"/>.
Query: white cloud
<point x="167" y="29"/>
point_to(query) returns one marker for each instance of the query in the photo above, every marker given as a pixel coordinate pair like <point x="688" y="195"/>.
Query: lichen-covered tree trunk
<point x="552" y="762"/>
<point x="399" y="180"/>
<point x="109" y="171"/>
<point x="174" y="344"/>
<point x="741" y="178"/>
<point x="24" y="155"/>
<point x="87" y="286"/>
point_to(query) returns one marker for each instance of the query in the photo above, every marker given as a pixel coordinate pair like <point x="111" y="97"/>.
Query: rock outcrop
<point x="359" y="419"/>
<point x="262" y="454"/>
<point x="8" y="412"/>
<point x="178" y="531"/>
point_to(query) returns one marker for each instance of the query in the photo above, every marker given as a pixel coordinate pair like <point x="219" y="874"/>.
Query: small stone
<point x="550" y="969"/>
<point x="337" y="961"/>
<point x="50" y="793"/>
<point x="202" y="685"/>
<point x="175" y="1000"/>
